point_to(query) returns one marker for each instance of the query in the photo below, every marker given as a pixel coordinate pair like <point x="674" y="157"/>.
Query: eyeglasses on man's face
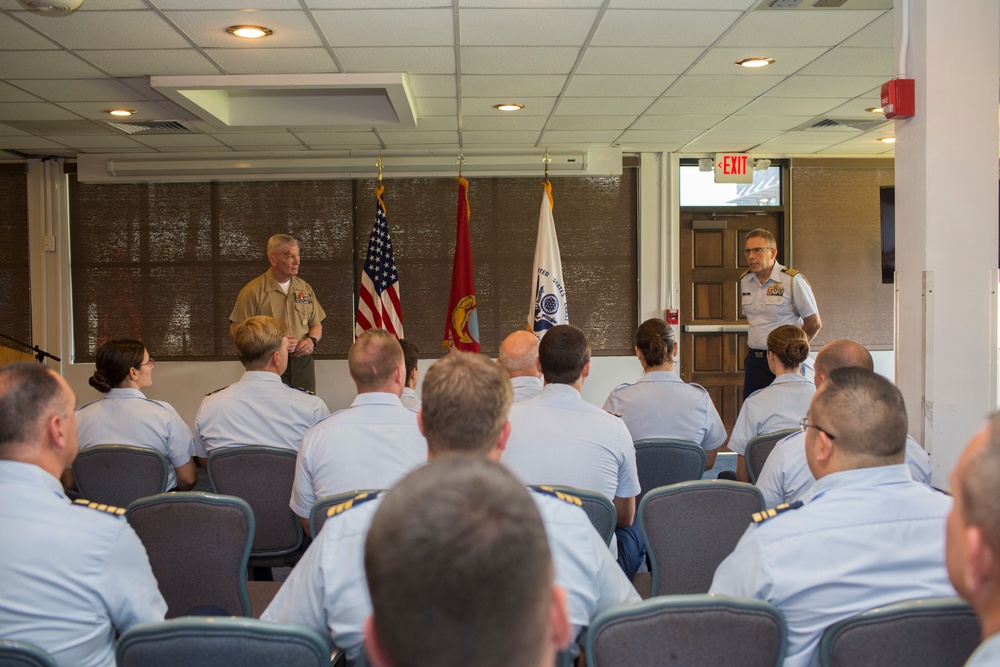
<point x="805" y="425"/>
<point x="756" y="251"/>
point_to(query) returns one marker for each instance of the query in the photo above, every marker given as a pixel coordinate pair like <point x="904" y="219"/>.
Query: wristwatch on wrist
<point x="313" y="339"/>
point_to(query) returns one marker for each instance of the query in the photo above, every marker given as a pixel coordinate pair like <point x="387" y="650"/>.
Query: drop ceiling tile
<point x="856" y="108"/>
<point x="433" y="85"/>
<point x="244" y="5"/>
<point x="722" y="60"/>
<point x="274" y="61"/>
<point x="514" y="62"/>
<point x="34" y="111"/>
<point x="696" y="105"/>
<point x="683" y="4"/>
<point x="637" y="60"/>
<point x="853" y="61"/>
<point x="208" y="28"/>
<point x="512" y="123"/>
<point x="436" y="123"/>
<point x="16" y="35"/>
<point x="787" y="106"/>
<point x="601" y="137"/>
<point x="855" y="149"/>
<point x="428" y="60"/>
<point x="878" y="33"/>
<point x="215" y="148"/>
<point x="742" y="122"/>
<point x="639" y="27"/>
<point x="777" y="147"/>
<point x="526" y="26"/>
<point x="509" y="139"/>
<point x="738" y="137"/>
<point x="79" y="90"/>
<point x="824" y="86"/>
<point x="109" y="29"/>
<point x="28" y="143"/>
<point x="603" y="106"/>
<point x="436" y="106"/>
<point x="512" y="87"/>
<point x="416" y="137"/>
<point x="99" y="143"/>
<point x="618" y="86"/>
<point x="338" y="139"/>
<point x="660" y="136"/>
<point x="178" y="141"/>
<point x="245" y="140"/>
<point x="590" y="122"/>
<point x="144" y="110"/>
<point x="819" y="136"/>
<point x="698" y="122"/>
<point x="113" y="5"/>
<point x="150" y="62"/>
<point x="524" y="4"/>
<point x="9" y="93"/>
<point x="44" y="65"/>
<point x="798" y="28"/>
<point x="719" y="147"/>
<point x="720" y="86"/>
<point x="483" y="106"/>
<point x="9" y="131"/>
<point x="396" y="27"/>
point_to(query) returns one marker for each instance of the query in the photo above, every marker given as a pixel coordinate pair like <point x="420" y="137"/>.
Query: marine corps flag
<point x="548" y="291"/>
<point x="461" y="327"/>
<point x="378" y="299"/>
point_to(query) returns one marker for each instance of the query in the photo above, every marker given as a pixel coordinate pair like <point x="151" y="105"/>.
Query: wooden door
<point x="713" y="336"/>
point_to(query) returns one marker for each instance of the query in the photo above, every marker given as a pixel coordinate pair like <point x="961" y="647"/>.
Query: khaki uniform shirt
<point x="299" y="309"/>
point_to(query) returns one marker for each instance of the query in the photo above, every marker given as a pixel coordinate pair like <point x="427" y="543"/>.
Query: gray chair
<point x="263" y="477"/>
<point x="321" y="508"/>
<point x="936" y="632"/>
<point x="689" y="528"/>
<point x="760" y="447"/>
<point x="689" y="630"/>
<point x="600" y="510"/>
<point x="198" y="545"/>
<point x="222" y="642"/>
<point x="120" y="474"/>
<point x="663" y="461"/>
<point x="22" y="654"/>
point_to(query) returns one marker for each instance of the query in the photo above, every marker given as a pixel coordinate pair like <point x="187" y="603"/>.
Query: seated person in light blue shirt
<point x="468" y="581"/>
<point x="411" y="355"/>
<point x="783" y="403"/>
<point x="259" y="409"/>
<point x="870" y="535"/>
<point x="973" y="553"/>
<point x="786" y="476"/>
<point x="464" y="411"/>
<point x="370" y="445"/>
<point x="660" y="405"/>
<point x="126" y="417"/>
<point x="73" y="575"/>
<point x="519" y="357"/>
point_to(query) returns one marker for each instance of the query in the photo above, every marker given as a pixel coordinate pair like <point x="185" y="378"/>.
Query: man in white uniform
<point x="259" y="409"/>
<point x="519" y="357"/>
<point x="370" y="445"/>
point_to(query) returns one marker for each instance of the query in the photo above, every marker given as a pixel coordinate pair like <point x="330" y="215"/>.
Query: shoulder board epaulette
<point x="353" y="502"/>
<point x="743" y="275"/>
<point x="759" y="517"/>
<point x="217" y="390"/>
<point x="614" y="414"/>
<point x="311" y="393"/>
<point x="565" y="497"/>
<point x="100" y="507"/>
<point x="791" y="272"/>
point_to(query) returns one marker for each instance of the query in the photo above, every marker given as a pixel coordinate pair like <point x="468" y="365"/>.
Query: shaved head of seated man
<point x="467" y="578"/>
<point x="519" y="357"/>
<point x="466" y="399"/>
<point x="74" y="574"/>
<point x="785" y="477"/>
<point x="870" y="535"/>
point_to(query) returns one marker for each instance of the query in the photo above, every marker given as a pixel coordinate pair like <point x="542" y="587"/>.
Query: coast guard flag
<point x="378" y="300"/>
<point x="461" y="326"/>
<point x="548" y="291"/>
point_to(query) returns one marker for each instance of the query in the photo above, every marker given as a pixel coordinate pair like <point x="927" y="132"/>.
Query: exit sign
<point x="733" y="168"/>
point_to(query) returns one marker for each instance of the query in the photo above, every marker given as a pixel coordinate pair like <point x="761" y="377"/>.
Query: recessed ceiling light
<point x="249" y="31"/>
<point x="755" y="62"/>
<point x="888" y="140"/>
<point x="120" y="112"/>
<point x="509" y="106"/>
<point x="875" y="110"/>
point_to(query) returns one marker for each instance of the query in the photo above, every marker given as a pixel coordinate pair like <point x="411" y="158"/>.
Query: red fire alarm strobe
<point x="673" y="316"/>
<point x="897" y="98"/>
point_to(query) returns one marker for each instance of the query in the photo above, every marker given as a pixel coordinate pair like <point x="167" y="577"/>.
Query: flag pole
<point x="546" y="158"/>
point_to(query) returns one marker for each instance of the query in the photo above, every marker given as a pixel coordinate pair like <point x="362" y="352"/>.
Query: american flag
<point x="378" y="301"/>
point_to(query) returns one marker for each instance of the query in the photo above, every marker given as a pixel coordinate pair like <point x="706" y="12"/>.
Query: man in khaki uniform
<point x="280" y="293"/>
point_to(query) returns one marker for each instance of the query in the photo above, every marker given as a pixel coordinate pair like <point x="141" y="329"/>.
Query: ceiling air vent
<point x="862" y="124"/>
<point x="151" y="127"/>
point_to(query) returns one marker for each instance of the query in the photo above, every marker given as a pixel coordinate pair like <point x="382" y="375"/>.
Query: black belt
<point x="760" y="354"/>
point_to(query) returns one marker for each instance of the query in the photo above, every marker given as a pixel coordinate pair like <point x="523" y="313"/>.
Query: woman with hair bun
<point x="660" y="404"/>
<point x="783" y="403"/>
<point x="126" y="417"/>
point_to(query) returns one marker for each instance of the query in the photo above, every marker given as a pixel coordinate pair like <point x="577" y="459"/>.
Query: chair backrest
<point x="689" y="528"/>
<point x="120" y="474"/>
<point x="263" y="477"/>
<point x="691" y="629"/>
<point x="198" y="546"/>
<point x="600" y="510"/>
<point x="221" y="642"/>
<point x="760" y="447"/>
<point x="22" y="654"/>
<point x="661" y="462"/>
<point x="936" y="632"/>
<point x="321" y="508"/>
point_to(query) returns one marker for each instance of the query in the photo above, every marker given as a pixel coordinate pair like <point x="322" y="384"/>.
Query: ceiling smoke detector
<point x="51" y="7"/>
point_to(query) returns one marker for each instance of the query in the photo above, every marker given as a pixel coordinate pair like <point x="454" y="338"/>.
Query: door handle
<point x="715" y="328"/>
